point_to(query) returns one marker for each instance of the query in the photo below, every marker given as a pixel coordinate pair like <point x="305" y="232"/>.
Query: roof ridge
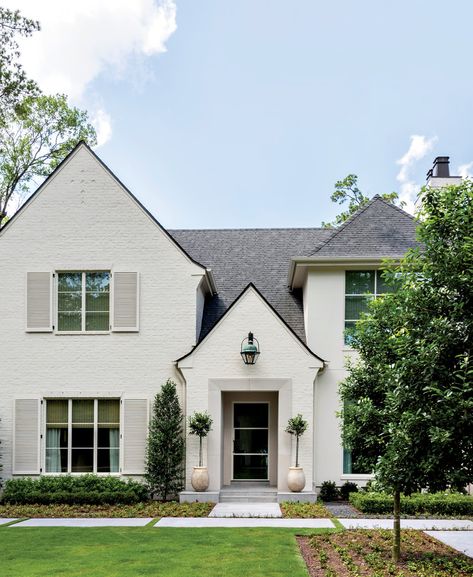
<point x="241" y="229"/>
<point x="348" y="221"/>
<point x="392" y="205"/>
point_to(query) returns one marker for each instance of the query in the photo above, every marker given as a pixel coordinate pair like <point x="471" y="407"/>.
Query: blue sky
<point x="244" y="113"/>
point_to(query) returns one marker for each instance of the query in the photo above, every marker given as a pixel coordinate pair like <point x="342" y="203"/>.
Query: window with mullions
<point x="82" y="436"/>
<point x="83" y="301"/>
<point x="361" y="286"/>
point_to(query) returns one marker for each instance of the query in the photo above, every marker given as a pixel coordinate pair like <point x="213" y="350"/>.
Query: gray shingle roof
<point x="261" y="256"/>
<point x="238" y="257"/>
<point x="379" y="229"/>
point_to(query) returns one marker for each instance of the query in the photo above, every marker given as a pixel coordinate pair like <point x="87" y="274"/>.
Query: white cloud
<point x="80" y="41"/>
<point x="103" y="126"/>
<point x="466" y="170"/>
<point x="409" y="188"/>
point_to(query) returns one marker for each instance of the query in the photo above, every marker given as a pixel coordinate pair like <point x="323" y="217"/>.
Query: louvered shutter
<point x="27" y="434"/>
<point x="134" y="435"/>
<point x="39" y="308"/>
<point x="125" y="308"/>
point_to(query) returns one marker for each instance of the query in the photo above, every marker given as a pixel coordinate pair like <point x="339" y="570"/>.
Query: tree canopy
<point x="37" y="131"/>
<point x="347" y="190"/>
<point x="408" y="399"/>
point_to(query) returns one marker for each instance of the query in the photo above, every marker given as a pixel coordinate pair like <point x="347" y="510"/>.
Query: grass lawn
<point x="170" y="552"/>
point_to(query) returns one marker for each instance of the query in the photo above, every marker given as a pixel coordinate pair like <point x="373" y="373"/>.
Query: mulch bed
<point x="362" y="553"/>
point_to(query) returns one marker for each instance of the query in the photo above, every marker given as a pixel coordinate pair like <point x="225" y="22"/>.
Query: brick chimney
<point x="439" y="174"/>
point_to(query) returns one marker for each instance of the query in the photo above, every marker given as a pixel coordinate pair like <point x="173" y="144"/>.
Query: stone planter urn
<point x="200" y="479"/>
<point x="296" y="479"/>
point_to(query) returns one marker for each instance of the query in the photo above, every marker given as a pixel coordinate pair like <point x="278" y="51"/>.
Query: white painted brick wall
<point x="83" y="219"/>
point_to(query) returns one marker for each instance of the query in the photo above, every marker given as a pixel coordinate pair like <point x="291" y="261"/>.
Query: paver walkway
<point x="421" y="524"/>
<point x="460" y="540"/>
<point x="86" y="522"/>
<point x="246" y="510"/>
<point x="3" y="521"/>
<point x="243" y="522"/>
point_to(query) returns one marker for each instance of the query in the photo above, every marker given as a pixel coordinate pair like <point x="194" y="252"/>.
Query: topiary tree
<point x="165" y="450"/>
<point x="297" y="426"/>
<point x="200" y="424"/>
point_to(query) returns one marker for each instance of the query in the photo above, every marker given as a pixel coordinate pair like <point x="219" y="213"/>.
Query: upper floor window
<point x="83" y="302"/>
<point x="361" y="286"/>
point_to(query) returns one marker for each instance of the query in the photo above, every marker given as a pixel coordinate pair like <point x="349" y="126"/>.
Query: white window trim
<point x="44" y="427"/>
<point x="83" y="309"/>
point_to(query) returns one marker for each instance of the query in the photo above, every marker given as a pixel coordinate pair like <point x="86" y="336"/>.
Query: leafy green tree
<point x="165" y="449"/>
<point x="297" y="426"/>
<point x="408" y="400"/>
<point x="347" y="190"/>
<point x="14" y="84"/>
<point x="200" y="424"/>
<point x="36" y="131"/>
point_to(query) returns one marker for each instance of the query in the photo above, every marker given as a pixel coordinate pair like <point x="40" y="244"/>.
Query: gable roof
<point x="239" y="257"/>
<point x="83" y="144"/>
<point x="378" y="229"/>
<point x="251" y="286"/>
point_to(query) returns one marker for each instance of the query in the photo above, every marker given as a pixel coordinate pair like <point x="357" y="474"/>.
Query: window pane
<point x="107" y="461"/>
<point x="69" y="321"/>
<point x="97" y="281"/>
<point x="359" y="282"/>
<point x="56" y="437"/>
<point x="354" y="306"/>
<point x="69" y="301"/>
<point x="251" y="415"/>
<point x="69" y="281"/>
<point x="251" y="441"/>
<point x="82" y="437"/>
<point x="97" y="302"/>
<point x="83" y="411"/>
<point x="82" y="460"/>
<point x="56" y="412"/>
<point x="382" y="286"/>
<point x="109" y="411"/>
<point x="97" y="322"/>
<point x="350" y="331"/>
<point x="56" y="460"/>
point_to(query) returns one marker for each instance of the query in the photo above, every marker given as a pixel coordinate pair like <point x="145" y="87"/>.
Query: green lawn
<point x="170" y="552"/>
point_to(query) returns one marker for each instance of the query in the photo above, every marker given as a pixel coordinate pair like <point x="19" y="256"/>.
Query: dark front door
<point x="250" y="441"/>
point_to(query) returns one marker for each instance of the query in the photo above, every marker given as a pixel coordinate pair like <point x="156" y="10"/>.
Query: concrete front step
<point x="239" y="497"/>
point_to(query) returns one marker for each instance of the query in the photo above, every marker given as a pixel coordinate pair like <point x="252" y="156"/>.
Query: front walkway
<point x="210" y="522"/>
<point x="246" y="510"/>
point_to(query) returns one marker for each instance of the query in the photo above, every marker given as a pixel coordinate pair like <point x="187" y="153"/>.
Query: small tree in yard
<point x="200" y="424"/>
<point x="165" y="451"/>
<point x="296" y="426"/>
<point x="408" y="400"/>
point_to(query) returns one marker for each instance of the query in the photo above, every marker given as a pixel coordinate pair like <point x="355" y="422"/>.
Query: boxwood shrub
<point x="450" y="504"/>
<point x="73" y="490"/>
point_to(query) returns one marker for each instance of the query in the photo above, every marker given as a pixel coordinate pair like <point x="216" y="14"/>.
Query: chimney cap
<point x="441" y="168"/>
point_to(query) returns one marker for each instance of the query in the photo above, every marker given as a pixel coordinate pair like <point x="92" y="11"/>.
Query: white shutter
<point x="26" y="437"/>
<point x="39" y="302"/>
<point x="125" y="307"/>
<point x="134" y="435"/>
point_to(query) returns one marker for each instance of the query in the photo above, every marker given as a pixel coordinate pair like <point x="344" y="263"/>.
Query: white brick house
<point x="99" y="305"/>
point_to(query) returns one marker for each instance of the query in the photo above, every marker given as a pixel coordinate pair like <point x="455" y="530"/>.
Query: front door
<point x="250" y="441"/>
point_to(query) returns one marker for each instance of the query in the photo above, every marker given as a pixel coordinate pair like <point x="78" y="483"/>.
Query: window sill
<point x="59" y="333"/>
<point x="48" y="474"/>
<point x="357" y="476"/>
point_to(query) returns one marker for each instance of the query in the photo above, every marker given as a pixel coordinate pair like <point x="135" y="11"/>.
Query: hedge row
<point x="417" y="504"/>
<point x="84" y="489"/>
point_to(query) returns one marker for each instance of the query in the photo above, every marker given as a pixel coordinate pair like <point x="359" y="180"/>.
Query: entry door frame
<point x="268" y="428"/>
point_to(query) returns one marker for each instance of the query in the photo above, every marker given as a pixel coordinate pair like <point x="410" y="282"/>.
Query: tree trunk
<point x="200" y="451"/>
<point x="297" y="451"/>
<point x="397" y="527"/>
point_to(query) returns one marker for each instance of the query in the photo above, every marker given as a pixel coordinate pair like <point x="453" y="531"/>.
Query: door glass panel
<point x="251" y="415"/>
<point x="250" y="467"/>
<point x="251" y="441"/>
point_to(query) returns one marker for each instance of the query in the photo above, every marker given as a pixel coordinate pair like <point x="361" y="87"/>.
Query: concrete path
<point x="208" y="522"/>
<point x="90" y="522"/>
<point x="421" y="524"/>
<point x="460" y="540"/>
<point x="246" y="510"/>
<point x="4" y="521"/>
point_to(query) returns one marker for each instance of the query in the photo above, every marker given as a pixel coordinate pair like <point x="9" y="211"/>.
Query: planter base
<point x="296" y="479"/>
<point x="200" y="479"/>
